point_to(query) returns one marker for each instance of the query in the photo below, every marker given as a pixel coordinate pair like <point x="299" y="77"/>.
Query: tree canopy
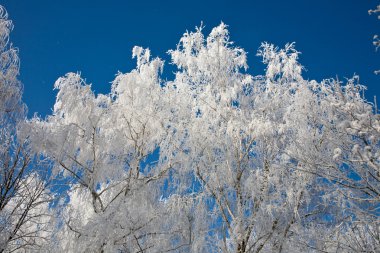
<point x="215" y="160"/>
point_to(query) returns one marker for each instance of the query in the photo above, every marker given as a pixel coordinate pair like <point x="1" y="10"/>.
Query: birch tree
<point x="239" y="135"/>
<point x="24" y="200"/>
<point x="111" y="149"/>
<point x="267" y="151"/>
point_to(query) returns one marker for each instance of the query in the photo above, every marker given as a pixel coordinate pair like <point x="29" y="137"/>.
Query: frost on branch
<point x="11" y="106"/>
<point x="213" y="58"/>
<point x="376" y="40"/>
<point x="281" y="64"/>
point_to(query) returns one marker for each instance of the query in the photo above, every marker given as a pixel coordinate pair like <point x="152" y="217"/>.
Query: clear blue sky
<point x="96" y="37"/>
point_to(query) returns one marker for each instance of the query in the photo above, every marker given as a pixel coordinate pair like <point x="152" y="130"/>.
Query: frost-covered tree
<point x="241" y="136"/>
<point x="353" y="127"/>
<point x="112" y="151"/>
<point x="11" y="107"/>
<point x="278" y="159"/>
<point x="216" y="160"/>
<point x="23" y="196"/>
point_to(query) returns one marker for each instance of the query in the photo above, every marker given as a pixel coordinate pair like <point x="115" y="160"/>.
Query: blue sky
<point x="96" y="37"/>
